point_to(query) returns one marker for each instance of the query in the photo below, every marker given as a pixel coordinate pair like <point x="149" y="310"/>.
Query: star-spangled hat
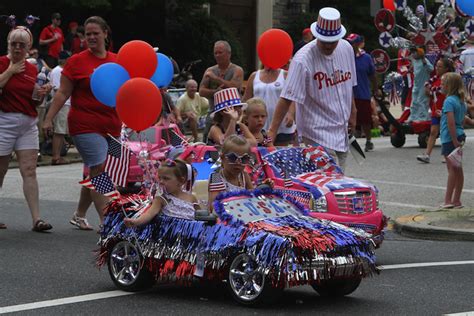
<point x="328" y="28"/>
<point x="227" y="98"/>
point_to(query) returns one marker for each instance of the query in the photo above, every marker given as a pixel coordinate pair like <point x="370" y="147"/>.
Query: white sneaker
<point x="423" y="158"/>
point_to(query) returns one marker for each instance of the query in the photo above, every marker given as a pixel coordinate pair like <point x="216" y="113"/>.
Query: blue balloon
<point x="164" y="71"/>
<point x="466" y="6"/>
<point x="106" y="81"/>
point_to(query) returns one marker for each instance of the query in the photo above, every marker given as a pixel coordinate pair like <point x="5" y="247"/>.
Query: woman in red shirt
<point x="433" y="89"/>
<point x="18" y="118"/>
<point x="90" y="122"/>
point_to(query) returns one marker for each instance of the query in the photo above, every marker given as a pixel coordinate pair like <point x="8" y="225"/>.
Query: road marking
<point x="112" y="294"/>
<point x="461" y="314"/>
<point x="63" y="301"/>
<point x="424" y="186"/>
<point x="424" y="264"/>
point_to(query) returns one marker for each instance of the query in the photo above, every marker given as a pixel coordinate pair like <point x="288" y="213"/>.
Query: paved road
<point x="36" y="268"/>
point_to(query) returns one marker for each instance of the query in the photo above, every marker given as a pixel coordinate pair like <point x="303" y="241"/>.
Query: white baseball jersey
<point x="321" y="86"/>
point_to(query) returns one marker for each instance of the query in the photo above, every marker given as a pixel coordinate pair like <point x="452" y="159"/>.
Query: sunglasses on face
<point x="234" y="158"/>
<point x="19" y="44"/>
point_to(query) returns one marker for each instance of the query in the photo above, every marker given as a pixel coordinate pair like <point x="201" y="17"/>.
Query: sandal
<point x="80" y="222"/>
<point x="59" y="161"/>
<point x="41" y="226"/>
<point x="3" y="226"/>
<point x="446" y="206"/>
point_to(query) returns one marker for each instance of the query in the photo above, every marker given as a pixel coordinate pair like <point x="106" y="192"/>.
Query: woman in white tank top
<point x="267" y="84"/>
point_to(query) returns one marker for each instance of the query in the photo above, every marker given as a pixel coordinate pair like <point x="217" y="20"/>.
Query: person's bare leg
<point x="194" y="128"/>
<point x="58" y="142"/>
<point x="85" y="201"/>
<point x="458" y="185"/>
<point x="100" y="201"/>
<point x="432" y="139"/>
<point x="449" y="184"/>
<point x="27" y="160"/>
<point x="4" y="161"/>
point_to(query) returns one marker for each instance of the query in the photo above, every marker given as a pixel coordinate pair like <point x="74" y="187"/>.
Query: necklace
<point x="223" y="72"/>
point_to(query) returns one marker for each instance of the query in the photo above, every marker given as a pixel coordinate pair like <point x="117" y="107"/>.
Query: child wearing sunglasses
<point x="255" y="119"/>
<point x="235" y="155"/>
<point x="174" y="175"/>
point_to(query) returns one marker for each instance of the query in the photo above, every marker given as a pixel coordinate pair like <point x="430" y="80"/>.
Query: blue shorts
<point x="284" y="138"/>
<point x="447" y="148"/>
<point x="92" y="147"/>
<point x="435" y="120"/>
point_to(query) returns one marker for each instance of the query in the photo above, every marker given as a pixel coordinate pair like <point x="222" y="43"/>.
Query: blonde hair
<point x="22" y="34"/>
<point x="234" y="140"/>
<point x="453" y="85"/>
<point x="252" y="104"/>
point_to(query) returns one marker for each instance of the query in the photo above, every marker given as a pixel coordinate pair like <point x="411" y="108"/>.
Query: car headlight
<point x="320" y="204"/>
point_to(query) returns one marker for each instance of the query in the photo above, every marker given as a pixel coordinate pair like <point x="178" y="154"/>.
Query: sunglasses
<point x="234" y="158"/>
<point x="19" y="44"/>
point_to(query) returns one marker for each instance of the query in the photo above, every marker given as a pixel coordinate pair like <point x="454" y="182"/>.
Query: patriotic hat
<point x="226" y="98"/>
<point x="328" y="28"/>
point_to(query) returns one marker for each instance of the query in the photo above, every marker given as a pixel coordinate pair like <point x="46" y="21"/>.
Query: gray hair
<point x="225" y="44"/>
<point x="186" y="85"/>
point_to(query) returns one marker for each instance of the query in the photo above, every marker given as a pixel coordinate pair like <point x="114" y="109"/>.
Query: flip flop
<point x="458" y="206"/>
<point x="446" y="206"/>
<point x="41" y="226"/>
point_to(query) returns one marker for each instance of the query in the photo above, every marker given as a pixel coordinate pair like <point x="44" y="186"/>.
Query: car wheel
<point x="337" y="288"/>
<point x="423" y="139"/>
<point x="126" y="268"/>
<point x="248" y="285"/>
<point x="397" y="140"/>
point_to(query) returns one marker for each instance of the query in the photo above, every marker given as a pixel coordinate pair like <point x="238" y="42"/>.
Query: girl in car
<point x="255" y="118"/>
<point x="174" y="176"/>
<point x="235" y="154"/>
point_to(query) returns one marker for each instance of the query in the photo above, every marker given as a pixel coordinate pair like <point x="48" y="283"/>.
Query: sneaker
<point x="369" y="146"/>
<point x="423" y="158"/>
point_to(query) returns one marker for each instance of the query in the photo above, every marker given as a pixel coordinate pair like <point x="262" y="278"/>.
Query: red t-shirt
<point x="77" y="46"/>
<point x="54" y="47"/>
<point x="16" y="94"/>
<point x="437" y="97"/>
<point x="87" y="114"/>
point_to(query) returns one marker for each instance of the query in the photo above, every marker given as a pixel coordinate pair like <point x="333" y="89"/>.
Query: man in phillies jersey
<point x="320" y="81"/>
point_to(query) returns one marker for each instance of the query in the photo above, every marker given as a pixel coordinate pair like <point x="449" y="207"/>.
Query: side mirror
<point x="204" y="216"/>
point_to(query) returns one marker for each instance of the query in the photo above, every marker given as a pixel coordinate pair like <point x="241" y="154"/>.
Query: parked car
<point x="260" y="243"/>
<point x="310" y="176"/>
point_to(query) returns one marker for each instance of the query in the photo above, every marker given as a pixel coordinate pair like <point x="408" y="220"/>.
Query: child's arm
<point x="212" y="197"/>
<point x="248" y="135"/>
<point x="249" y="88"/>
<point x="146" y="217"/>
<point x="468" y="120"/>
<point x="248" y="182"/>
<point x="452" y="128"/>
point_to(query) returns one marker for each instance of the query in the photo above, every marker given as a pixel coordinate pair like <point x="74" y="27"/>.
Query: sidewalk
<point x="453" y="224"/>
<point x="72" y="156"/>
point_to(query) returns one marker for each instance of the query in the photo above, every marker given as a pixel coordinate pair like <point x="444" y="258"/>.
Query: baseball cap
<point x="64" y="55"/>
<point x="306" y="31"/>
<point x="354" y="38"/>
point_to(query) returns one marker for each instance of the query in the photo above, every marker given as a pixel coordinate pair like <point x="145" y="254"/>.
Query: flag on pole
<point x="101" y="184"/>
<point x="117" y="162"/>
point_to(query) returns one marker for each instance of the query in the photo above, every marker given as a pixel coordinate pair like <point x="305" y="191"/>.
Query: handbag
<point x="455" y="157"/>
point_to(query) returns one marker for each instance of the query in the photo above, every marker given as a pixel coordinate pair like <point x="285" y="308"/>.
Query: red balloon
<point x="139" y="103"/>
<point x="275" y="48"/>
<point x="138" y="58"/>
<point x="389" y="5"/>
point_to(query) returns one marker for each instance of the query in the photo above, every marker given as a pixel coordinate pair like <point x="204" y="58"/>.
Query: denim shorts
<point x="435" y="120"/>
<point x="92" y="147"/>
<point x="447" y="148"/>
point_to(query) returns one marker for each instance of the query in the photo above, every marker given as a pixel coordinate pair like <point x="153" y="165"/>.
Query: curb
<point x="421" y="226"/>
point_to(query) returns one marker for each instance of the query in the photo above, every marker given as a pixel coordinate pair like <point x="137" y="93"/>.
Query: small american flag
<point x="216" y="183"/>
<point x="117" y="162"/>
<point x="301" y="196"/>
<point x="101" y="184"/>
<point x="173" y="138"/>
<point x="286" y="179"/>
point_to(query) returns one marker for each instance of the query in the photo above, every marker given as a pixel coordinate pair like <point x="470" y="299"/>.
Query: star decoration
<point x="428" y="35"/>
<point x="469" y="28"/>
<point x="384" y="39"/>
<point x="400" y="4"/>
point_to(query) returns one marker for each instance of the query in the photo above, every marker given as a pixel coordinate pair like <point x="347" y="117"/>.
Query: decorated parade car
<point x="308" y="175"/>
<point x="259" y="244"/>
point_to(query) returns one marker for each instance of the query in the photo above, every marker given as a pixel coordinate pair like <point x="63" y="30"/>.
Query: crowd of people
<point x="324" y="95"/>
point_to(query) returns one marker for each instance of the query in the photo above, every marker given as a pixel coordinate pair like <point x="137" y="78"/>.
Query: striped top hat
<point x="226" y="98"/>
<point x="328" y="28"/>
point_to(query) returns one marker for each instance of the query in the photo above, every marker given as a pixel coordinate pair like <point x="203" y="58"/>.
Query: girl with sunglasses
<point x="235" y="155"/>
<point x="174" y="176"/>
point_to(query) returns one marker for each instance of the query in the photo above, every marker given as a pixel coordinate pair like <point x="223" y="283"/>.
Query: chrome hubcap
<point x="245" y="279"/>
<point x="125" y="262"/>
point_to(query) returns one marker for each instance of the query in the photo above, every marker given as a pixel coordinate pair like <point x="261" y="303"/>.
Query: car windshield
<point x="252" y="209"/>
<point x="148" y="135"/>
